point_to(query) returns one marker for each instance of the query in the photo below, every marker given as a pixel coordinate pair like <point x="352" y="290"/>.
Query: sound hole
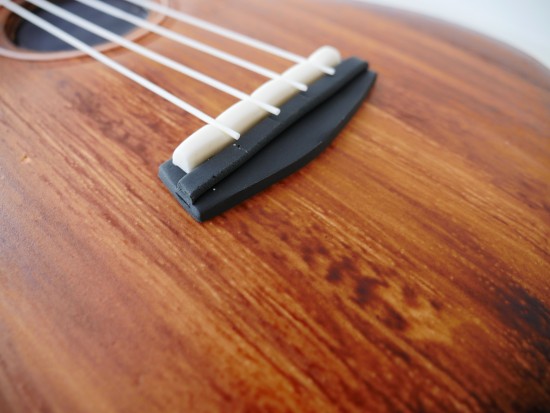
<point x="26" y="35"/>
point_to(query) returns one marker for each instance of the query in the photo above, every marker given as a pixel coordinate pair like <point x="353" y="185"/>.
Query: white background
<point x="524" y="24"/>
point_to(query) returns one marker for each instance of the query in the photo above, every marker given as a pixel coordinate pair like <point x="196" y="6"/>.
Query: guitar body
<point x="404" y="269"/>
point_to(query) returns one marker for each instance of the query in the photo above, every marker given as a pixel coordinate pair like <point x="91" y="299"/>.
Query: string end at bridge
<point x="272" y="149"/>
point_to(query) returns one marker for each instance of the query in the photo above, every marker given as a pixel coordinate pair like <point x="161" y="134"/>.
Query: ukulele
<point x="405" y="268"/>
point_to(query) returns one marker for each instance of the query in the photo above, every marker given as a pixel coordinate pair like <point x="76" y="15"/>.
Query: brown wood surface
<point x="406" y="269"/>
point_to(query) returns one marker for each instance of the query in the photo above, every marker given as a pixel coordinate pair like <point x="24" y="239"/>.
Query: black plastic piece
<point x="204" y="177"/>
<point x="275" y="147"/>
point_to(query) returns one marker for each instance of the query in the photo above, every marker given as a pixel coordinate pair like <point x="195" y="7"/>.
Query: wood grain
<point x="406" y="269"/>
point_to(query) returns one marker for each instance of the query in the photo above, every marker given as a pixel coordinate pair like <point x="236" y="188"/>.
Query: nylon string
<point x="177" y="15"/>
<point x="230" y="34"/>
<point x="106" y="34"/>
<point x="187" y="41"/>
<point x="83" y="47"/>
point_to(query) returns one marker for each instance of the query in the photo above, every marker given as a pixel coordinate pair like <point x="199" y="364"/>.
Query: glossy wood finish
<point x="406" y="269"/>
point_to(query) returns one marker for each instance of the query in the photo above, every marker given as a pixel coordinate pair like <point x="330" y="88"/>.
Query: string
<point x="77" y="44"/>
<point x="100" y="31"/>
<point x="155" y="28"/>
<point x="194" y="21"/>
